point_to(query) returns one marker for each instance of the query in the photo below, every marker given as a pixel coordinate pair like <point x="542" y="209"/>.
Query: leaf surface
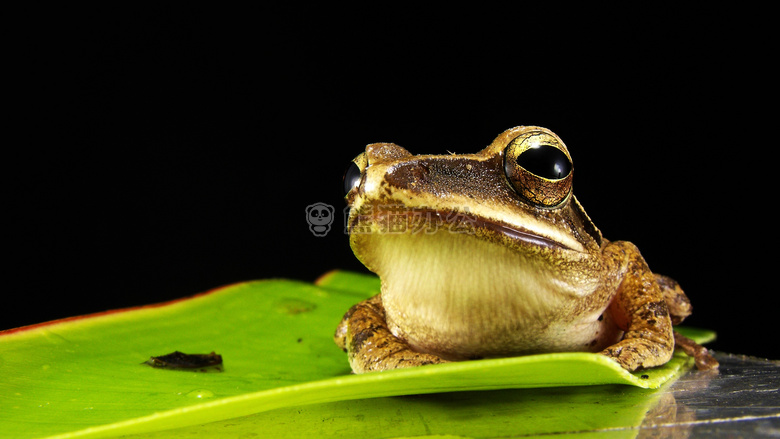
<point x="85" y="377"/>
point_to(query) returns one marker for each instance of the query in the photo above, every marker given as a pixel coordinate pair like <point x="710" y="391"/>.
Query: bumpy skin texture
<point x="639" y="308"/>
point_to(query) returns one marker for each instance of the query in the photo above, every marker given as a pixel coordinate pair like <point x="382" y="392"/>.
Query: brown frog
<point x="490" y="255"/>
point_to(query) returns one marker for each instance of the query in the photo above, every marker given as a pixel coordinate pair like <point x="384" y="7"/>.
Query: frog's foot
<point x="635" y="353"/>
<point x="700" y="354"/>
<point x="370" y="346"/>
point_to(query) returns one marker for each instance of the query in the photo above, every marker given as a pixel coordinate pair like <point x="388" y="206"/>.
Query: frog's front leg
<point x="640" y="310"/>
<point x="370" y="346"/>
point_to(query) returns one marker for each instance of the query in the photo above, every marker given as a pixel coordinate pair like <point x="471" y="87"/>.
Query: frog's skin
<point x="481" y="257"/>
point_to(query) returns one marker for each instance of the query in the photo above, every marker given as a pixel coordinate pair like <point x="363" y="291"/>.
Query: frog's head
<point x="516" y="193"/>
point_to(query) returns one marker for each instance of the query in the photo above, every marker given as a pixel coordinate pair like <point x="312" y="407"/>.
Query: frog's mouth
<point x="397" y="219"/>
<point x="519" y="234"/>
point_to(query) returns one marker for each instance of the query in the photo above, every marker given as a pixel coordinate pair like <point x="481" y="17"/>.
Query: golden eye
<point x="539" y="169"/>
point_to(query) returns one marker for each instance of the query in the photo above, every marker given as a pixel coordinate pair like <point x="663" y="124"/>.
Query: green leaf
<point x="85" y="377"/>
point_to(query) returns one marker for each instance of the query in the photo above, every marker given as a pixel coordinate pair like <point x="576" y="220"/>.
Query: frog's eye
<point x="539" y="168"/>
<point x="354" y="173"/>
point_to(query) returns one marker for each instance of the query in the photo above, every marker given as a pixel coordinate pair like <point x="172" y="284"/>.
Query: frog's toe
<point x="399" y="357"/>
<point x="702" y="357"/>
<point x="623" y="356"/>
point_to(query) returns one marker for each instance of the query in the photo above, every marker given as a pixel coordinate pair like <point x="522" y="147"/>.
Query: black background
<point x="163" y="152"/>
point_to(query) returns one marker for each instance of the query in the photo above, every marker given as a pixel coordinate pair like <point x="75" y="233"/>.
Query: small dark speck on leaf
<point x="644" y="377"/>
<point x="295" y="306"/>
<point x="180" y="361"/>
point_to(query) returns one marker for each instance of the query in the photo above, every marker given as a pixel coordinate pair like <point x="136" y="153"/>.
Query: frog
<point x="489" y="255"/>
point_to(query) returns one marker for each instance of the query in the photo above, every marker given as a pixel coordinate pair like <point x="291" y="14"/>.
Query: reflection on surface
<point x="739" y="400"/>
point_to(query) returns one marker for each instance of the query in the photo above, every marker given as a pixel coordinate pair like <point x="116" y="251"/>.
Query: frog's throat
<point x="461" y="295"/>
